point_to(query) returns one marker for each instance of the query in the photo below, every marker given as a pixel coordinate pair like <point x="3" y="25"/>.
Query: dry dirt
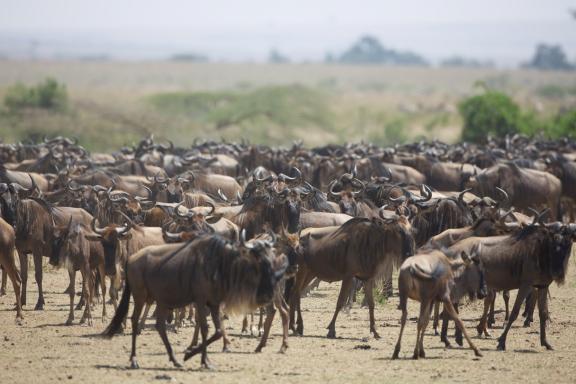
<point x="43" y="349"/>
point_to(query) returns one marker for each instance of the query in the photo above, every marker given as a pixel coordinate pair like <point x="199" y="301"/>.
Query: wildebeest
<point x="429" y="278"/>
<point x="525" y="187"/>
<point x="209" y="271"/>
<point x="7" y="244"/>
<point x="361" y="248"/>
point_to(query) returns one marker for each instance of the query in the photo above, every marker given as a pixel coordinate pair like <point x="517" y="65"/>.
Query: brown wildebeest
<point x="209" y="271"/>
<point x="361" y="248"/>
<point x="534" y="257"/>
<point x="428" y="278"/>
<point x="7" y="243"/>
<point x="72" y="250"/>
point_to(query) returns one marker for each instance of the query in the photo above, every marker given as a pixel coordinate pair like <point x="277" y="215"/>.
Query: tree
<point x="276" y="57"/>
<point x="549" y="57"/>
<point x="369" y="50"/>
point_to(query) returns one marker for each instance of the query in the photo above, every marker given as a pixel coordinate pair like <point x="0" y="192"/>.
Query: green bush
<point x="49" y="95"/>
<point x="563" y="125"/>
<point x="491" y="113"/>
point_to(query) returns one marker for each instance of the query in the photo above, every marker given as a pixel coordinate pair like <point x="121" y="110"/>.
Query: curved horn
<point x="243" y="240"/>
<point x="222" y="195"/>
<point x="461" y="195"/>
<point x="331" y="190"/>
<point x="171" y="235"/>
<point x="96" y="229"/>
<point x="210" y="205"/>
<point x="503" y="194"/>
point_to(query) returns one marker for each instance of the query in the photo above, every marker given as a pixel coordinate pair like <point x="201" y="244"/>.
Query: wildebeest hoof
<point x="436" y="332"/>
<point x="189" y="353"/>
<point x="39" y="307"/>
<point x="501" y="346"/>
<point x="283" y="348"/>
<point x="459" y="341"/>
<point x="331" y="334"/>
<point x="134" y="364"/>
<point x="19" y="320"/>
<point x="477" y="353"/>
<point x="208" y="365"/>
<point x="2" y="292"/>
<point x="422" y="353"/>
<point x="376" y="335"/>
<point x="548" y="346"/>
<point x="176" y="364"/>
<point x="70" y="321"/>
<point x="258" y="349"/>
<point x="527" y="323"/>
<point x="226" y="349"/>
<point x="415" y="356"/>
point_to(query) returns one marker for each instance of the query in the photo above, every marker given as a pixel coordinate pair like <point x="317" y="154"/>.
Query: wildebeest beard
<point x="260" y="212"/>
<point x="246" y="280"/>
<point x="552" y="250"/>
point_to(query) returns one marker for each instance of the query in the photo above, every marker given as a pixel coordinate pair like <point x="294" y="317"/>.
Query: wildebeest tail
<point x="120" y="314"/>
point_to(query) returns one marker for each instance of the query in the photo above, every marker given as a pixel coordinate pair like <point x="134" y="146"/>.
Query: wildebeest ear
<point x="126" y="236"/>
<point x="93" y="237"/>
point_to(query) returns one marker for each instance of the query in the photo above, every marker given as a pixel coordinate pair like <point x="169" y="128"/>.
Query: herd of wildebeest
<point x="223" y="228"/>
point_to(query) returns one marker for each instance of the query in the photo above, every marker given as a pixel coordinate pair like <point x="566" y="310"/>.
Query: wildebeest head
<point x="286" y="209"/>
<point x="560" y="248"/>
<point x="110" y="237"/>
<point x="269" y="267"/>
<point x="471" y="275"/>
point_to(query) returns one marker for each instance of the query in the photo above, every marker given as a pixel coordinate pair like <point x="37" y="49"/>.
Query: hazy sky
<point x="503" y="30"/>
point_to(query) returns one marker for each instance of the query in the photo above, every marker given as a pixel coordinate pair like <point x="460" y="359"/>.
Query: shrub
<point x="49" y="95"/>
<point x="491" y="113"/>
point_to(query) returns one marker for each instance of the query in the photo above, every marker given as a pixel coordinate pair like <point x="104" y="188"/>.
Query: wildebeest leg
<point x="402" y="325"/>
<point x="101" y="272"/>
<point x="491" y="318"/>
<point x="3" y="288"/>
<point x="225" y="341"/>
<point x="270" y="312"/>
<point x="458" y="332"/>
<point x="506" y="297"/>
<point x="369" y="291"/>
<point x="436" y="318"/>
<point x="196" y="329"/>
<point x="283" y="308"/>
<point x="201" y="317"/>
<point x="303" y="278"/>
<point x="482" y="327"/>
<point x="161" y="317"/>
<point x="543" y="315"/>
<point x="38" y="276"/>
<point x="23" y="275"/>
<point x="344" y="289"/>
<point x="71" y="292"/>
<point x="452" y="312"/>
<point x="191" y="313"/>
<point x="135" y="331"/>
<point x="144" y="317"/>
<point x="531" y="301"/>
<point x="522" y="293"/>
<point x="244" y="324"/>
<point x="424" y="319"/>
<point x="11" y="271"/>
<point x="444" y="331"/>
<point x="261" y="321"/>
<point x="86" y="294"/>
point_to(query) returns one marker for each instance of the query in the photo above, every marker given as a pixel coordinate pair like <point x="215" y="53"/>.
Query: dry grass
<point x="110" y="100"/>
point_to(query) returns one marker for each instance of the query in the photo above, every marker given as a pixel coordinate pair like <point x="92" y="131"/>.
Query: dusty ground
<point x="43" y="349"/>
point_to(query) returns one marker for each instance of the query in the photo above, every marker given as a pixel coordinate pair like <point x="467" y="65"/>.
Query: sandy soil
<point x="43" y="349"/>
